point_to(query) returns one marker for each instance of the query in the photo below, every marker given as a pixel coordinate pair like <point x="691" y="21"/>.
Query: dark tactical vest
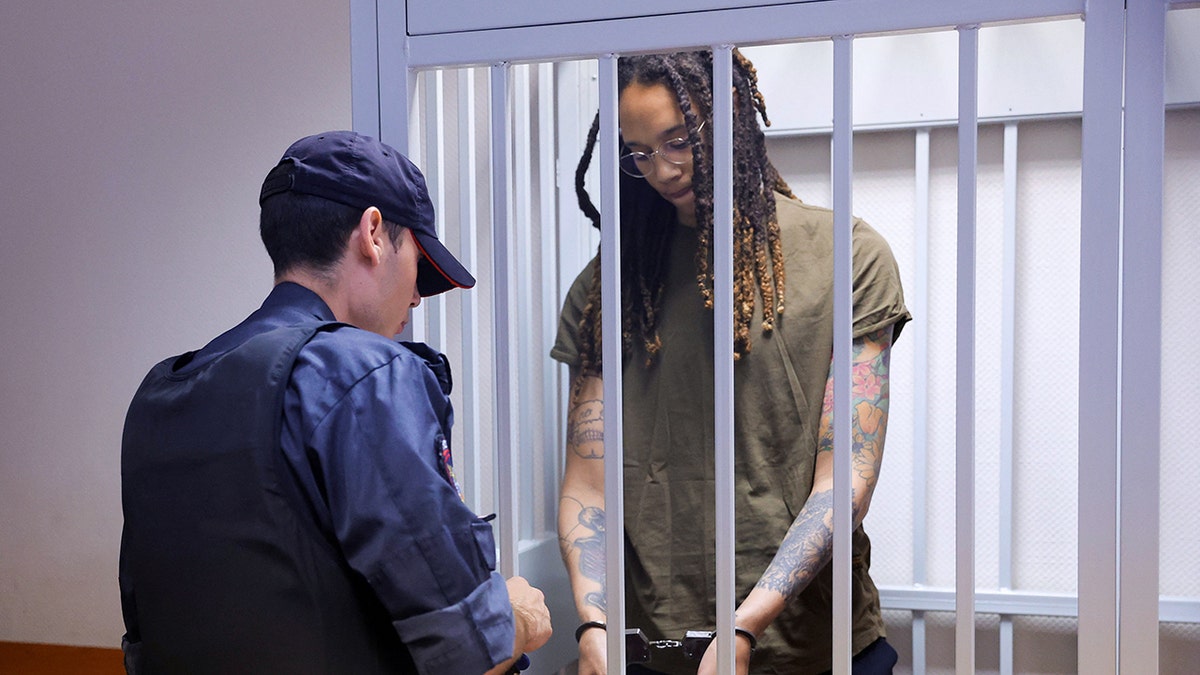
<point x="223" y="568"/>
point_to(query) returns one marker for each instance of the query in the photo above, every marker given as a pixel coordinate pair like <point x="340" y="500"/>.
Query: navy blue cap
<point x="349" y="168"/>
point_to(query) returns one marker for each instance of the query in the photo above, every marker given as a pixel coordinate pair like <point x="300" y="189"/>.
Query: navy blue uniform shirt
<point x="365" y="424"/>
<point x="365" y="436"/>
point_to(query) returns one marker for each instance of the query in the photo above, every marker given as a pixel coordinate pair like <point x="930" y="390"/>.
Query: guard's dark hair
<point x="648" y="221"/>
<point x="309" y="232"/>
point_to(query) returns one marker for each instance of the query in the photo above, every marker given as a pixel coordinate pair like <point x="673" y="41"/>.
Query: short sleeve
<point x="878" y="294"/>
<point x="566" y="344"/>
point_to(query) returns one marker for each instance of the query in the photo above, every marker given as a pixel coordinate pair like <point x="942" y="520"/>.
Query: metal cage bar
<point x="397" y="90"/>
<point x="523" y="259"/>
<point x="468" y="253"/>
<point x="551" y="429"/>
<point x="920" y="468"/>
<point x="433" y="317"/>
<point x="1007" y="392"/>
<point x="843" y="334"/>
<point x="1141" y="334"/>
<point x="502" y="272"/>
<point x="610" y="310"/>
<point x="1098" y="315"/>
<point x="723" y="349"/>
<point x="964" y="469"/>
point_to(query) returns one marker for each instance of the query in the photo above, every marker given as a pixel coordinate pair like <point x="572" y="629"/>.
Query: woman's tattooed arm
<point x="581" y="532"/>
<point x="808" y="544"/>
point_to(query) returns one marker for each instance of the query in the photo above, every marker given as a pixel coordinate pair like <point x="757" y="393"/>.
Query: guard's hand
<point x="593" y="652"/>
<point x="531" y="615"/>
<point x="708" y="665"/>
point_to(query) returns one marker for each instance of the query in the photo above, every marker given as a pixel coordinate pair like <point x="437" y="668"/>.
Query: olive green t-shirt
<point x="779" y="387"/>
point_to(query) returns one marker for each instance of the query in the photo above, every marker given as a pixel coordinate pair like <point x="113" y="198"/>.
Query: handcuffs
<point x="638" y="646"/>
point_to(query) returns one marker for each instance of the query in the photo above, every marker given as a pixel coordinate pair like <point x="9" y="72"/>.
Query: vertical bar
<point x="416" y="104"/>
<point x="364" y="68"/>
<point x="920" y="469"/>
<point x="397" y="94"/>
<point x="964" y="469"/>
<point x="397" y="84"/>
<point x="1007" y="394"/>
<point x="523" y="257"/>
<point x="468" y="254"/>
<point x="506" y="503"/>
<point x="723" y="349"/>
<point x="434" y="313"/>
<point x="610" y="310"/>
<point x="843" y="334"/>
<point x="1099" y="264"/>
<point x="398" y="100"/>
<point x="550" y="296"/>
<point x="575" y="104"/>
<point x="1141" y="334"/>
<point x="417" y="328"/>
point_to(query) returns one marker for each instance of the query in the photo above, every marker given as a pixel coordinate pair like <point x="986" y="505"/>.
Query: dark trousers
<point x="877" y="658"/>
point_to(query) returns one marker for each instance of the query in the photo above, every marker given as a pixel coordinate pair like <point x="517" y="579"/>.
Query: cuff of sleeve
<point x="471" y="636"/>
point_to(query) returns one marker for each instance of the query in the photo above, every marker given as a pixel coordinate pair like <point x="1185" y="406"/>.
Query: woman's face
<point x="650" y="116"/>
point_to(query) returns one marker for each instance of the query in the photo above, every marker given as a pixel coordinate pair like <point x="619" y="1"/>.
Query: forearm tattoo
<point x="585" y="429"/>
<point x="589" y="543"/>
<point x="805" y="548"/>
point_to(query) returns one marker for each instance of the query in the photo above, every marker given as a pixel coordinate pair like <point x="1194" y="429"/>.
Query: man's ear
<point x="369" y="235"/>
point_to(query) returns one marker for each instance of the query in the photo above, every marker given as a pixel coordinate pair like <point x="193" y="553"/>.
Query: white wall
<point x="134" y="137"/>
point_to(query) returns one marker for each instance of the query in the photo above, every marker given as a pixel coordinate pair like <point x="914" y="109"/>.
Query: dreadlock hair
<point x="648" y="221"/>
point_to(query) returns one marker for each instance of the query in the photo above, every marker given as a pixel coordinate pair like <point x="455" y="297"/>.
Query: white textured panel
<point x="943" y="222"/>
<point x="1180" y="541"/>
<point x="989" y="265"/>
<point x="1046" y="352"/>
<point x="804" y="162"/>
<point x="883" y="196"/>
<point x="1041" y="644"/>
<point x="1183" y="56"/>
<point x="1045" y="379"/>
<point x="1029" y="69"/>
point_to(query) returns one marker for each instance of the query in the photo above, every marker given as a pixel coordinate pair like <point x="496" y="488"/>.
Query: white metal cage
<point x="487" y="95"/>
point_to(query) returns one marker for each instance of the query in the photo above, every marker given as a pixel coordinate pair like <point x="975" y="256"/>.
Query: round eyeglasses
<point x="677" y="151"/>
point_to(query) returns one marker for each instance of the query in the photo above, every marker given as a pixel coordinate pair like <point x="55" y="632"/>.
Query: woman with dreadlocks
<point x="783" y="341"/>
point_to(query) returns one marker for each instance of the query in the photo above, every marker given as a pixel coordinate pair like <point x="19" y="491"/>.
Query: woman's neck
<point x="686" y="218"/>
